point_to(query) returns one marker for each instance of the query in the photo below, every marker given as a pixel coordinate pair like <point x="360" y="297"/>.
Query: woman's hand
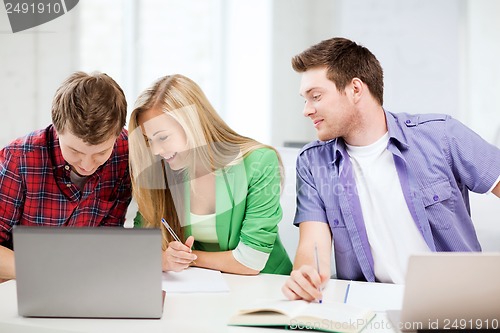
<point x="178" y="256"/>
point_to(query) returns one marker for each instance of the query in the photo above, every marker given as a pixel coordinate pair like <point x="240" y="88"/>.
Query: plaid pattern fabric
<point x="36" y="189"/>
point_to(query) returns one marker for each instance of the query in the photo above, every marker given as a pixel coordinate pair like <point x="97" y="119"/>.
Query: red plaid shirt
<point x="36" y="189"/>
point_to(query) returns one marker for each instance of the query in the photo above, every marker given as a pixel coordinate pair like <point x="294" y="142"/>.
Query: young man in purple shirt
<point x="381" y="185"/>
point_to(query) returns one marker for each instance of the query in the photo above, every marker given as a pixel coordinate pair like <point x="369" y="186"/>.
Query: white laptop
<point x="100" y="272"/>
<point x="450" y="291"/>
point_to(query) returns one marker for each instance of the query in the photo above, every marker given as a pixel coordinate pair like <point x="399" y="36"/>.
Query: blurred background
<point x="440" y="56"/>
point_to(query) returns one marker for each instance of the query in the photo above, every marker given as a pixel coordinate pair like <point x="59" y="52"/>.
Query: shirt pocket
<point x="438" y="204"/>
<point x="340" y="235"/>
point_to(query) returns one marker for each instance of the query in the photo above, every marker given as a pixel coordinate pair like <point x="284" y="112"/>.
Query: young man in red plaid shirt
<point x="72" y="173"/>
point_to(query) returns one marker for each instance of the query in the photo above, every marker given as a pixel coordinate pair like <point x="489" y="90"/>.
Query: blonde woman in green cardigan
<point x="218" y="190"/>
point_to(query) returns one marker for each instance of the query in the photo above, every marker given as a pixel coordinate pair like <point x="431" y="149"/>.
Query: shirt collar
<point x="339" y="150"/>
<point x="396" y="136"/>
<point x="56" y="154"/>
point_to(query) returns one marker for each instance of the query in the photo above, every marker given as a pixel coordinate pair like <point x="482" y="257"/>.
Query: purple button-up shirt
<point x="438" y="160"/>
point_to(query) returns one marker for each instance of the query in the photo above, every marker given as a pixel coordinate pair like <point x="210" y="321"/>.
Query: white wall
<point x="297" y="24"/>
<point x="32" y="65"/>
<point x="438" y="56"/>
<point x="247" y="68"/>
<point x="418" y="45"/>
<point x="482" y="72"/>
<point x="482" y="103"/>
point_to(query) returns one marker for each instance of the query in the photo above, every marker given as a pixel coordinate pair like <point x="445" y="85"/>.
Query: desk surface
<point x="197" y="312"/>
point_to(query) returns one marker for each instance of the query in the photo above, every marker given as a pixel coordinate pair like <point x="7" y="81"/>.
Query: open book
<point x="328" y="317"/>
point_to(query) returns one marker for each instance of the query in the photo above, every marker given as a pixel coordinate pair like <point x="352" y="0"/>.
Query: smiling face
<point x="165" y="135"/>
<point x="84" y="158"/>
<point x="332" y="113"/>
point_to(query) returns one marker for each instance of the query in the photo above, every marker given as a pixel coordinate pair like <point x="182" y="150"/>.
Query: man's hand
<point x="305" y="283"/>
<point x="312" y="257"/>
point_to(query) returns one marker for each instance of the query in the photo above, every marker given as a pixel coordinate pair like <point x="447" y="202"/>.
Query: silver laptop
<point x="103" y="272"/>
<point x="450" y="291"/>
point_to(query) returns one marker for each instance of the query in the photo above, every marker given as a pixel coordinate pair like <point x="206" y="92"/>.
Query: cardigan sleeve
<point x="263" y="210"/>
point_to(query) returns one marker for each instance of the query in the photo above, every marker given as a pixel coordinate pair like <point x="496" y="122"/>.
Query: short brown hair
<point x="344" y="60"/>
<point x="90" y="106"/>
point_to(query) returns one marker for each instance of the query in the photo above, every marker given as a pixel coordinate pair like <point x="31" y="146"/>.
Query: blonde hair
<point x="213" y="145"/>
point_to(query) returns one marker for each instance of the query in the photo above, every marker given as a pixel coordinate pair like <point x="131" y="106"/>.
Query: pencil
<point x="317" y="267"/>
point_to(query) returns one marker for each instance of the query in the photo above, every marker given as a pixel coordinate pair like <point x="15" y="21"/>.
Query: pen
<point x="170" y="230"/>
<point x="317" y="267"/>
<point x="347" y="292"/>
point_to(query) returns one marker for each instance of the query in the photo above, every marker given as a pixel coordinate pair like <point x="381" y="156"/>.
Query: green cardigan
<point x="248" y="209"/>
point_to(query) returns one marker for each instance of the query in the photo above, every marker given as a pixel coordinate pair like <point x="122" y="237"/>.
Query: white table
<point x="196" y="312"/>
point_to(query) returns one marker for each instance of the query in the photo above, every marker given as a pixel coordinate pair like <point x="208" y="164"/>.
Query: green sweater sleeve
<point x="263" y="210"/>
<point x="138" y="220"/>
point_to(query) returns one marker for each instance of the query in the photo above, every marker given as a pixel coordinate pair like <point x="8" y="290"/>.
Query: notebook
<point x="450" y="291"/>
<point x="100" y="272"/>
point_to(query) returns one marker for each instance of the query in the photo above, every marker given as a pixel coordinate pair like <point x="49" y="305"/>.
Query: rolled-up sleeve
<point x="476" y="163"/>
<point x="250" y="257"/>
<point x="310" y="206"/>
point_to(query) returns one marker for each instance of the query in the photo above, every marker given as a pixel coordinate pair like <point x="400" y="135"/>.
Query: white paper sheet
<point x="194" y="280"/>
<point x="377" y="296"/>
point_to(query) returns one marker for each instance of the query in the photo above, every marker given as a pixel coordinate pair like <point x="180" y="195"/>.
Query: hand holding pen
<point x="306" y="282"/>
<point x="178" y="256"/>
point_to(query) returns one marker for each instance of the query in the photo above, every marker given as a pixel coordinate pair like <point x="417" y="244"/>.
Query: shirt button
<point x="335" y="222"/>
<point x="66" y="167"/>
<point x="68" y="185"/>
<point x="435" y="197"/>
<point x="408" y="121"/>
